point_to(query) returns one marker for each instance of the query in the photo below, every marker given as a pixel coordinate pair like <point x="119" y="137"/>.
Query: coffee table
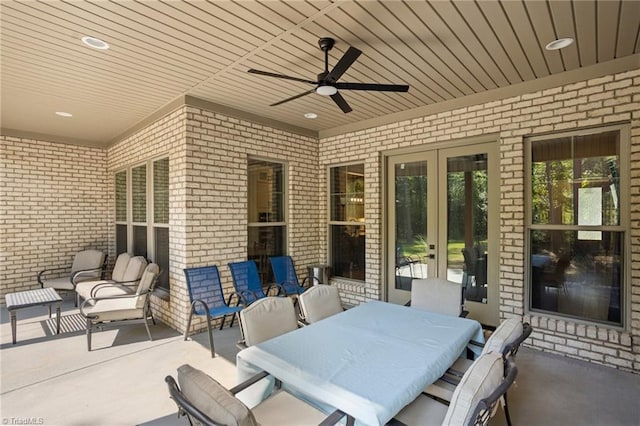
<point x="26" y="299"/>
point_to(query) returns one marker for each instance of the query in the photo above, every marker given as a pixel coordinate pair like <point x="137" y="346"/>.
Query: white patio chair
<point x="319" y="302"/>
<point x="505" y="340"/>
<point x="474" y="400"/>
<point x="205" y="401"/>
<point x="108" y="310"/>
<point x="266" y="318"/>
<point x="86" y="265"/>
<point x="437" y="295"/>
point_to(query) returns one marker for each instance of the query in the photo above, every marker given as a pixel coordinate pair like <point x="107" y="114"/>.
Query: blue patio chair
<point x="207" y="298"/>
<point x="286" y="277"/>
<point x="247" y="282"/>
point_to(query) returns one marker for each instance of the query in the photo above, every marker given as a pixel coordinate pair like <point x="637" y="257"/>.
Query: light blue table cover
<point x="369" y="361"/>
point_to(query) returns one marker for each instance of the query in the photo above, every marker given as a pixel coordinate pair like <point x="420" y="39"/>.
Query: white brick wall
<point x="610" y="99"/>
<point x="208" y="201"/>
<point x="53" y="204"/>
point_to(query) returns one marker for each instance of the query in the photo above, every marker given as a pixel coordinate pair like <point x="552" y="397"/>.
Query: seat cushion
<point x="120" y="267"/>
<point x="319" y="302"/>
<point x="213" y="399"/>
<point x="267" y="318"/>
<point x="423" y="411"/>
<point x="282" y="408"/>
<point x="115" y="309"/>
<point x="506" y="333"/>
<point x="480" y="380"/>
<point x="62" y="283"/>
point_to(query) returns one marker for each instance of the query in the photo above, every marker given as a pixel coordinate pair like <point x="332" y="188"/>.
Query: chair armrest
<point x="241" y="299"/>
<point x="98" y="287"/>
<point x="281" y="290"/>
<point x="463" y="314"/>
<point x="250" y="381"/>
<point x="41" y="273"/>
<point x="77" y="274"/>
<point x="309" y="283"/>
<point x="243" y="296"/>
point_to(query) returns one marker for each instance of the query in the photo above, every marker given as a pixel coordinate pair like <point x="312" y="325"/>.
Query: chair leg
<point x="89" y="325"/>
<point x="146" y="324"/>
<point x="233" y="318"/>
<point x="506" y="410"/>
<point x="186" y="330"/>
<point x="213" y="353"/>
<point x="224" y="317"/>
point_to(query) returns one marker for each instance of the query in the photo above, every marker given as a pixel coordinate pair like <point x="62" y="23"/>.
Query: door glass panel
<point x="411" y="223"/>
<point x="467" y="207"/>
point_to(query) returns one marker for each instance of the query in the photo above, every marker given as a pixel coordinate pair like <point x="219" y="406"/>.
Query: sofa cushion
<point x="120" y="267"/>
<point x="135" y="268"/>
<point x="213" y="399"/>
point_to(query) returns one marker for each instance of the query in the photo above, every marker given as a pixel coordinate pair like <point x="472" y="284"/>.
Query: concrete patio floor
<point x="53" y="380"/>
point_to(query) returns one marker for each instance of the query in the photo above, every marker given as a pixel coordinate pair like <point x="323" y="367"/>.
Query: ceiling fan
<point x="327" y="83"/>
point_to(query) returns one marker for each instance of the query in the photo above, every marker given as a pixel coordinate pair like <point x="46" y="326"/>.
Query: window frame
<point x="623" y="226"/>
<point x="150" y="223"/>
<point x="331" y="222"/>
<point x="284" y="223"/>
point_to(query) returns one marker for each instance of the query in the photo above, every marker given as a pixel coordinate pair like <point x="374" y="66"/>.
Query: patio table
<point x="369" y="361"/>
<point x="25" y="299"/>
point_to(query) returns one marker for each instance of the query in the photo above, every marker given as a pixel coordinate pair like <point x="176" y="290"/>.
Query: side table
<point x="26" y="299"/>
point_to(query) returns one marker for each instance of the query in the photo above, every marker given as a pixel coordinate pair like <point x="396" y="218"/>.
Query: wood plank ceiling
<point x="163" y="50"/>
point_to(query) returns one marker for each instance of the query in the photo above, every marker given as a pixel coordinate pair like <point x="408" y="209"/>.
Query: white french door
<point x="442" y="221"/>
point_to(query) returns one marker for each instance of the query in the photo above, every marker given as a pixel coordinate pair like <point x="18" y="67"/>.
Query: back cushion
<point x="480" y="380"/>
<point x="120" y="267"/>
<point x="437" y="295"/>
<point x="319" y="302"/>
<point x="135" y="268"/>
<point x="506" y="333"/>
<point x="267" y="318"/>
<point x="213" y="399"/>
<point x="88" y="259"/>
<point x="148" y="277"/>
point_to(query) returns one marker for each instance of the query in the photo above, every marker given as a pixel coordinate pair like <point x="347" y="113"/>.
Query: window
<point x="142" y="214"/>
<point x="346" y="221"/>
<point x="266" y="215"/>
<point x="576" y="231"/>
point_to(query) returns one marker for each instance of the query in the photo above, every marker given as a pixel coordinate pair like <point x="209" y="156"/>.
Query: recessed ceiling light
<point x="96" y="43"/>
<point x="310" y="115"/>
<point x="64" y="114"/>
<point x="560" y="43"/>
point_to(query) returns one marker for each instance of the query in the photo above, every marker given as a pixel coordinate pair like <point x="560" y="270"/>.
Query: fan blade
<point x="344" y="63"/>
<point x="339" y="100"/>
<point x="270" y="74"/>
<point x="294" y="97"/>
<point x="373" y="86"/>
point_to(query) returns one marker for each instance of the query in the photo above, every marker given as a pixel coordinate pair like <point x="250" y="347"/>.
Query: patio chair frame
<point x="223" y="309"/>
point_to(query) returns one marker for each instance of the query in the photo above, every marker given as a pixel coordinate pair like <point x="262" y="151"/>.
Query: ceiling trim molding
<point x="244" y="115"/>
<point x="43" y="137"/>
<point x="615" y="66"/>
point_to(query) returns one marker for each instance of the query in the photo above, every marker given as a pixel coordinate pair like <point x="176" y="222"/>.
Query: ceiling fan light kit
<point x="327" y="81"/>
